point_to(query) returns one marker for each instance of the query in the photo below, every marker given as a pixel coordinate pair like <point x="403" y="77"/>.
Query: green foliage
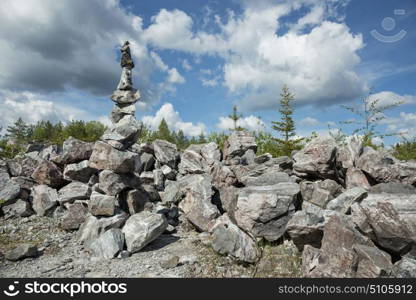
<point x="370" y="113"/>
<point x="266" y="143"/>
<point x="201" y="139"/>
<point x="311" y="137"/>
<point x="163" y="132"/>
<point x="218" y="138"/>
<point x="406" y="150"/>
<point x="286" y="126"/>
<point x="146" y="135"/>
<point x="20" y="134"/>
<point x="235" y="116"/>
<point x="8" y="150"/>
<point x="181" y="140"/>
<point x="47" y="133"/>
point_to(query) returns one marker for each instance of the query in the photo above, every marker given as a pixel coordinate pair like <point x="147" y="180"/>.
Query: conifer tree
<point x="286" y="126"/>
<point x="235" y="116"/>
<point x="163" y="132"/>
<point x="181" y="140"/>
<point x="19" y="131"/>
<point x="201" y="138"/>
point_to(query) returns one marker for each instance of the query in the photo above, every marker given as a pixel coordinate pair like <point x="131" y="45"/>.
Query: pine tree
<point x="235" y="116"/>
<point x="163" y="132"/>
<point x="19" y="131"/>
<point x="286" y="127"/>
<point x="201" y="138"/>
<point x="181" y="140"/>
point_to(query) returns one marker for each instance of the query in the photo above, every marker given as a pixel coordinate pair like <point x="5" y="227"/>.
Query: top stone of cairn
<point x="125" y="93"/>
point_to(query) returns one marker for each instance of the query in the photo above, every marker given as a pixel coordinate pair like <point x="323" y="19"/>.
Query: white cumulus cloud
<point x="389" y="98"/>
<point x="174" y="121"/>
<point x="33" y="107"/>
<point x="318" y="64"/>
<point x="309" y="122"/>
<point x="249" y="123"/>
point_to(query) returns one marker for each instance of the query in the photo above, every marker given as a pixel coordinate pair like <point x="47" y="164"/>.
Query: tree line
<point x="369" y="113"/>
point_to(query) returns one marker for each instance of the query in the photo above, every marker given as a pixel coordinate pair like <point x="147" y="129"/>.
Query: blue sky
<point x="196" y="59"/>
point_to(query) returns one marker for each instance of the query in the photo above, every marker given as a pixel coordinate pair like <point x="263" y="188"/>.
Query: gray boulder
<point x="136" y="200"/>
<point x="44" y="199"/>
<point x="228" y="238"/>
<point x="102" y="205"/>
<point x="284" y="162"/>
<point x="112" y="183"/>
<point x="222" y="176"/>
<point x="343" y="245"/>
<point x="74" y="191"/>
<point x="265" y="175"/>
<point x="73" y="151"/>
<point x="388" y="219"/>
<point x="152" y="192"/>
<point x="147" y="177"/>
<point x="22" y="251"/>
<point x="264" y="211"/>
<point x="248" y="157"/>
<point x="191" y="163"/>
<point x="211" y="153"/>
<point x="147" y="162"/>
<point x="168" y="172"/>
<point x="48" y="173"/>
<point x="306" y="228"/>
<point x="121" y="110"/>
<point x="238" y="143"/>
<point x="9" y="190"/>
<point x="166" y="153"/>
<point x="24" y="165"/>
<point x="74" y="215"/>
<point x="143" y="228"/>
<point x="356" y="178"/>
<point x="320" y="193"/>
<point x="107" y="245"/>
<point x="404" y="268"/>
<point x="172" y="193"/>
<point x="261" y="159"/>
<point x="381" y="166"/>
<point x="125" y="96"/>
<point x="393" y="188"/>
<point x="50" y="152"/>
<point x="104" y="156"/>
<point x="228" y="197"/>
<point x="343" y="202"/>
<point x="197" y="205"/>
<point x="93" y="226"/>
<point x="20" y="208"/>
<point x="349" y="152"/>
<point x="79" y="171"/>
<point x="126" y="131"/>
<point x="159" y="179"/>
<point x="316" y="159"/>
<point x="25" y="183"/>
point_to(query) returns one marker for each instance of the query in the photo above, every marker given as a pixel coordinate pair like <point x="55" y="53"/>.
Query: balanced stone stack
<point x="125" y="129"/>
<point x="118" y="197"/>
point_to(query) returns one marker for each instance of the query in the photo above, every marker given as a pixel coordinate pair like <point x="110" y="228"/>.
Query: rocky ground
<point x="183" y="254"/>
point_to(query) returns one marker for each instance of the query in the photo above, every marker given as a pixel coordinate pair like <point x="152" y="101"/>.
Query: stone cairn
<point x="125" y="129"/>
